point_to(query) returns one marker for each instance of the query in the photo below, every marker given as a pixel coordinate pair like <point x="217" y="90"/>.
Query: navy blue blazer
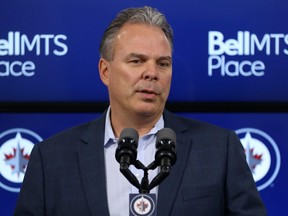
<point x="66" y="174"/>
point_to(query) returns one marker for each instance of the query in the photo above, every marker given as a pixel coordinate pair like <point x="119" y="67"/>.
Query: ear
<point x="104" y="68"/>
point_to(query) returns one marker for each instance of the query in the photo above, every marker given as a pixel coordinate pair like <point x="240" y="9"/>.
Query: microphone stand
<point x="164" y="172"/>
<point x="124" y="169"/>
<point x="145" y="187"/>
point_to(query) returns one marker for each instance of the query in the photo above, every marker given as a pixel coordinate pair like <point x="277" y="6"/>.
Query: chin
<point x="149" y="110"/>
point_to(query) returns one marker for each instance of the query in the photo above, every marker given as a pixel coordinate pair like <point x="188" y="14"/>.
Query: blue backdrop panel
<point x="268" y="132"/>
<point x="268" y="143"/>
<point x="224" y="50"/>
<point x="29" y="126"/>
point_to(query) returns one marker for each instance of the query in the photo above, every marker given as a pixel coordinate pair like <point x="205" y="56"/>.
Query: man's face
<point x="139" y="76"/>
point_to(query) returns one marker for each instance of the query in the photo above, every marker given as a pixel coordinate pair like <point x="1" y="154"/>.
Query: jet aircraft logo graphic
<point x="262" y="155"/>
<point x="142" y="204"/>
<point x="15" y="148"/>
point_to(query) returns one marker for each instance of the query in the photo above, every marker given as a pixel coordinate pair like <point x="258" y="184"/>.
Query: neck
<point x="143" y="123"/>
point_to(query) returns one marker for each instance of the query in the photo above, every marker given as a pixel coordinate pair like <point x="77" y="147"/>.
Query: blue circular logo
<point x="262" y="155"/>
<point x="15" y="148"/>
<point x="142" y="205"/>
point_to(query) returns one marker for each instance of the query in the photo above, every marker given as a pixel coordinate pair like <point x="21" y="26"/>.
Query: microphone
<point x="126" y="153"/>
<point x="165" y="155"/>
<point x="165" y="144"/>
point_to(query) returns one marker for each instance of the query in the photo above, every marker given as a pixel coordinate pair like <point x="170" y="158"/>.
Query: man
<point x="75" y="172"/>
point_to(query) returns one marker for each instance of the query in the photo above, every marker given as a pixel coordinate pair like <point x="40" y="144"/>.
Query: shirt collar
<point x="109" y="134"/>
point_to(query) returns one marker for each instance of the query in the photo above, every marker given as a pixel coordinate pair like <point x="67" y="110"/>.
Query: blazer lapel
<point x="169" y="188"/>
<point x="92" y="167"/>
<point x="91" y="160"/>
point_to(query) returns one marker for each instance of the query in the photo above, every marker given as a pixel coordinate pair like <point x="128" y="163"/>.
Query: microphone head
<point x="126" y="151"/>
<point x="166" y="134"/>
<point x="165" y="145"/>
<point x="129" y="133"/>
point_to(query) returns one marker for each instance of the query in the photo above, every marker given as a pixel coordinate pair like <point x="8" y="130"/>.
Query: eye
<point x="135" y="61"/>
<point x="164" y="64"/>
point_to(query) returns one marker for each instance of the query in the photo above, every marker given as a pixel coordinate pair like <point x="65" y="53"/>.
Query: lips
<point x="146" y="91"/>
<point x="154" y="90"/>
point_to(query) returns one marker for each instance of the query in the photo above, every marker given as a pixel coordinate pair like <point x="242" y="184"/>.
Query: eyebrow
<point x="142" y="56"/>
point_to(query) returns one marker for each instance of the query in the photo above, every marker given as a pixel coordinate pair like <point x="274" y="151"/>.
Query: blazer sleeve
<point x="242" y="197"/>
<point x="31" y="198"/>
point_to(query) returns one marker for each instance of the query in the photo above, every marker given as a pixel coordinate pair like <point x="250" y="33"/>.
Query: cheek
<point x="121" y="81"/>
<point x="166" y="80"/>
<point x="126" y="78"/>
<point x="116" y="75"/>
<point x="166" y="84"/>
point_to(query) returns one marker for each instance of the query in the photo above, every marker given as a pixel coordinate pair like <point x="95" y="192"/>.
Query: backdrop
<point x="264" y="138"/>
<point x="224" y="51"/>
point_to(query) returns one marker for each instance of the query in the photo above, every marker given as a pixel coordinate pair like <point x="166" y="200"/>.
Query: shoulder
<point x="72" y="136"/>
<point x="189" y="125"/>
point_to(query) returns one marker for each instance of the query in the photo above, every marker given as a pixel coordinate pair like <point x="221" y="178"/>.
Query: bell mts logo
<point x="262" y="155"/>
<point x="15" y="147"/>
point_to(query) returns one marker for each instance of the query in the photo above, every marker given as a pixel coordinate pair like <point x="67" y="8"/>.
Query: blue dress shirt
<point x="117" y="186"/>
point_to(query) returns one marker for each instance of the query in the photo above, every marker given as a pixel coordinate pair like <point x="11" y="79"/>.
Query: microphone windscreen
<point x="166" y="133"/>
<point x="129" y="133"/>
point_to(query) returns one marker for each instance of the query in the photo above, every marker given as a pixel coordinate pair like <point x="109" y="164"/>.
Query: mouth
<point x="145" y="91"/>
<point x="148" y="94"/>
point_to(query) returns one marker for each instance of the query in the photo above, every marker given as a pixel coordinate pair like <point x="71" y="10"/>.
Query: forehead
<point x="135" y="36"/>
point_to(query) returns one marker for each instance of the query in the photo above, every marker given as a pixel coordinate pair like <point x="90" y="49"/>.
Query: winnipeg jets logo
<point x="15" y="148"/>
<point x="142" y="205"/>
<point x="262" y="155"/>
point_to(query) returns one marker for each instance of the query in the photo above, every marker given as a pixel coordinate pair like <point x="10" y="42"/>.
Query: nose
<point x="150" y="73"/>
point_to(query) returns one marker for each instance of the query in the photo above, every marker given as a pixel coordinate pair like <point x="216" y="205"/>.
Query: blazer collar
<point x="92" y="166"/>
<point x="169" y="188"/>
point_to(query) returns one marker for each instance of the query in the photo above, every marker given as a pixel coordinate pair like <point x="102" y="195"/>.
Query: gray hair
<point x="142" y="15"/>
